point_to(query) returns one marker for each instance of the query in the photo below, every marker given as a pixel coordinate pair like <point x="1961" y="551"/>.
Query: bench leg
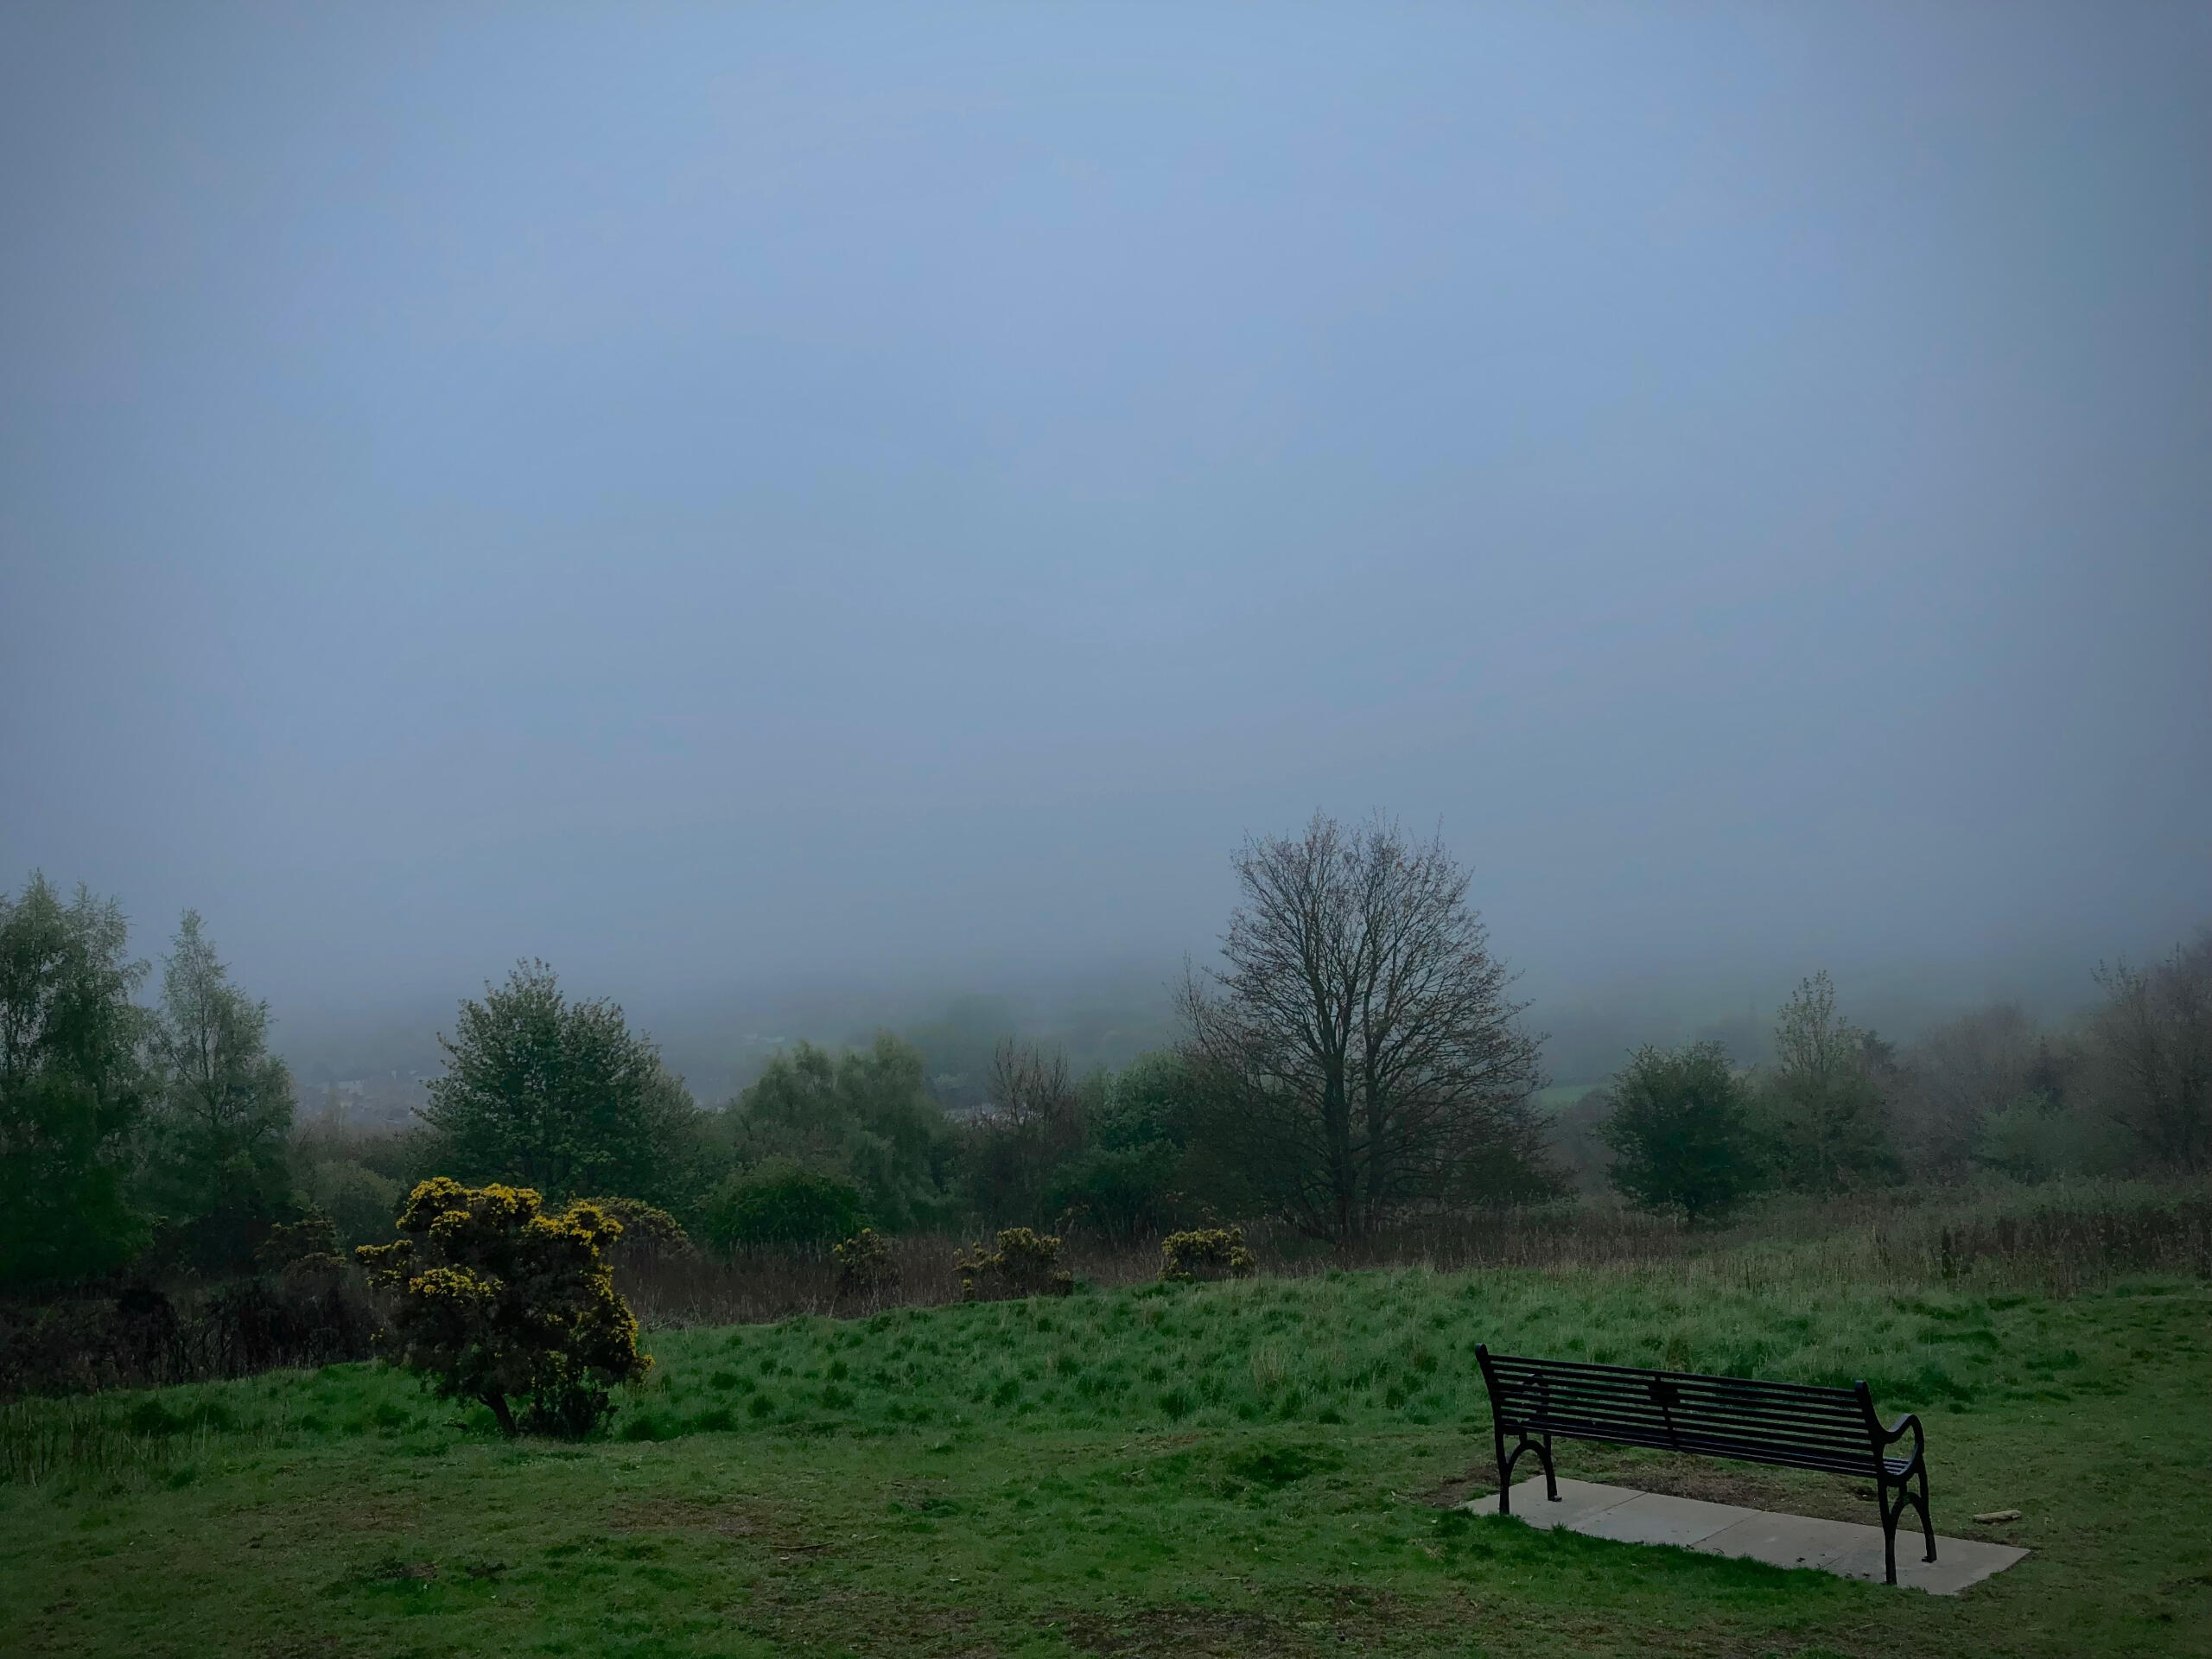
<point x="1505" y="1474"/>
<point x="1890" y="1517"/>
<point x="1926" y="1526"/>
<point x="1550" y="1480"/>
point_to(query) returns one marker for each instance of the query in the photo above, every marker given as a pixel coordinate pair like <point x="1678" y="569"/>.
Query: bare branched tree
<point x="1952" y="1080"/>
<point x="1360" y="1047"/>
<point x="1034" y="1122"/>
<point x="2151" y="1043"/>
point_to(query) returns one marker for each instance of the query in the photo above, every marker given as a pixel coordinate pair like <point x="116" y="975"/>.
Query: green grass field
<point x="1263" y="1467"/>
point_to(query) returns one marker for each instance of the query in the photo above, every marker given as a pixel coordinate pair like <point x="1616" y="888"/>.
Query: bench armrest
<point x="1909" y="1422"/>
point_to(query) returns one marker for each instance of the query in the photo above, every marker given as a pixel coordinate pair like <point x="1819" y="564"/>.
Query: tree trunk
<point x="497" y="1403"/>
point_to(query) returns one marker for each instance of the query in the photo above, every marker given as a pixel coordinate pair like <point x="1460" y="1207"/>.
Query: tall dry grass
<point x="2058" y="1239"/>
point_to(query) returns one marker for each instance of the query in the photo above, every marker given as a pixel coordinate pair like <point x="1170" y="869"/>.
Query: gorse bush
<point x="1205" y="1252"/>
<point x="865" y="1265"/>
<point x="495" y="1298"/>
<point x="1024" y="1263"/>
<point x="312" y="1241"/>
<point x="646" y="1230"/>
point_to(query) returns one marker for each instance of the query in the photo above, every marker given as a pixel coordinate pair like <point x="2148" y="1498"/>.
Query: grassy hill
<point x="1253" y="1468"/>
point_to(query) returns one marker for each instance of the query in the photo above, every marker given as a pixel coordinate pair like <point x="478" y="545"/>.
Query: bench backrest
<point x="1795" y="1425"/>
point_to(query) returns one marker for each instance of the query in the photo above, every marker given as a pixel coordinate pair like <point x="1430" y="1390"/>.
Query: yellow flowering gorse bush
<point x="1025" y="1263"/>
<point x="1205" y="1252"/>
<point x="495" y="1299"/>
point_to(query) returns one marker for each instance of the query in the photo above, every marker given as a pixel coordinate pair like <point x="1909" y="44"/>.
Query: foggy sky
<point x="751" y="496"/>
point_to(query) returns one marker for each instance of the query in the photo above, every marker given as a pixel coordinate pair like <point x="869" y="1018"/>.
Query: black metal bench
<point x="1790" y="1425"/>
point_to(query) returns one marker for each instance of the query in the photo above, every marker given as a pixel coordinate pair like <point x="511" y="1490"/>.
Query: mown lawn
<point x="1253" y="1468"/>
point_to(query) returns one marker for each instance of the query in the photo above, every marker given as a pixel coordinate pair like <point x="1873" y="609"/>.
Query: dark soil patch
<point x="685" y="1515"/>
<point x="1193" y="1632"/>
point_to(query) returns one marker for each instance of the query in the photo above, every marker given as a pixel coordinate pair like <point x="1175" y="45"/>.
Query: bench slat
<point x="1852" y="1434"/>
<point x="1825" y="1455"/>
<point x="1686" y="1409"/>
<point x="1686" y="1412"/>
<point x="1594" y="1368"/>
<point x="1567" y="1421"/>
<point x="1790" y="1425"/>
<point x="1637" y="1384"/>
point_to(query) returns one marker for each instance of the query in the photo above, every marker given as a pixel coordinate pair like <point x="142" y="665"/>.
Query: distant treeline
<point x="1356" y="1061"/>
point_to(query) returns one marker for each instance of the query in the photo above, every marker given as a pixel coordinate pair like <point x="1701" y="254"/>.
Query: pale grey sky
<point x="727" y="496"/>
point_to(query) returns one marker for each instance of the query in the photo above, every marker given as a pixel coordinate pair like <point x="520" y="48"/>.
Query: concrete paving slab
<point x="1789" y="1540"/>
<point x="1844" y="1548"/>
<point x="1959" y="1563"/>
<point x="1578" y="1501"/>
<point x="1654" y="1518"/>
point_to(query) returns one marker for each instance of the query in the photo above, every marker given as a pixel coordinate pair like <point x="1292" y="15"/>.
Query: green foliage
<point x="1820" y="1108"/>
<point x="72" y="1087"/>
<point x="865" y="1114"/>
<point x="358" y="1199"/>
<point x="562" y="1096"/>
<point x="1132" y="1171"/>
<point x="2036" y="1137"/>
<point x="495" y="1298"/>
<point x="216" y="1152"/>
<point x="1681" y="1133"/>
<point x="1022" y="1263"/>
<point x="781" y="1203"/>
<point x="1206" y="1253"/>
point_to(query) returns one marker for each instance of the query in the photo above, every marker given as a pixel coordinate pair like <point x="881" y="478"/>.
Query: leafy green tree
<point x="863" y="1117"/>
<point x="1821" y="1105"/>
<point x="1136" y="1123"/>
<point x="359" y="1202"/>
<point x="562" y="1097"/>
<point x="781" y="1203"/>
<point x="1681" y="1133"/>
<point x="216" y="1161"/>
<point x="496" y="1298"/>
<point x="72" y="1086"/>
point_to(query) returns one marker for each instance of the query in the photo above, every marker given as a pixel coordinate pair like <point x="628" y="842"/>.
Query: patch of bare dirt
<point x="685" y="1515"/>
<point x="1187" y="1631"/>
<point x="861" y="1621"/>
<point x="380" y="1512"/>
<point x="1331" y="1618"/>
<point x="1460" y="1488"/>
<point x="711" y="1518"/>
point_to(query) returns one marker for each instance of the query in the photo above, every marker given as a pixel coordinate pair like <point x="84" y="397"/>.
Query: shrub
<point x="778" y="1202"/>
<point x="312" y="1241"/>
<point x="496" y="1297"/>
<point x="356" y="1199"/>
<point x="864" y="1264"/>
<point x="1681" y="1133"/>
<point x="648" y="1233"/>
<point x="1206" y="1253"/>
<point x="1026" y="1263"/>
